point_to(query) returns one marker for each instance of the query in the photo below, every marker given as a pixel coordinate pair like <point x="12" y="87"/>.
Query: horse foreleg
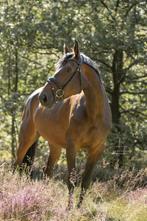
<point x="72" y="177"/>
<point x="90" y="164"/>
<point x="54" y="155"/>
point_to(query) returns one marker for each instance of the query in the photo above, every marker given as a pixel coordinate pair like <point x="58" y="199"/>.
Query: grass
<point x="22" y="199"/>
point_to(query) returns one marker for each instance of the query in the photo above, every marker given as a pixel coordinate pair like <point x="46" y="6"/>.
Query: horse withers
<point x="70" y="111"/>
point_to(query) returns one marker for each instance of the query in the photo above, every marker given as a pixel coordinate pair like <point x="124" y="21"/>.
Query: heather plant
<point x="23" y="199"/>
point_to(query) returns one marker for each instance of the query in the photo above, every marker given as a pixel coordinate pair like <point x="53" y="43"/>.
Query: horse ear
<point x="76" y="50"/>
<point x="65" y="49"/>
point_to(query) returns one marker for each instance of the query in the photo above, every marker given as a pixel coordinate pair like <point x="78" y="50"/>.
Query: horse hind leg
<point x="30" y="155"/>
<point x="27" y="144"/>
<point x="25" y="156"/>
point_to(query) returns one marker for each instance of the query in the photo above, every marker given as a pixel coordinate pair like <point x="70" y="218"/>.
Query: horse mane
<point x="83" y="60"/>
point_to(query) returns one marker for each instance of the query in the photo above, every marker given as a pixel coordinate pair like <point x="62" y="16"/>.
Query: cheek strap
<point x="59" y="93"/>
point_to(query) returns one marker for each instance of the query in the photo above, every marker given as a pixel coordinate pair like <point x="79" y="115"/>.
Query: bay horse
<point x="70" y="111"/>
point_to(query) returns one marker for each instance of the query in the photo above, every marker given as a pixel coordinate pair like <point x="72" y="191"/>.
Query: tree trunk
<point x="15" y="91"/>
<point x="13" y="140"/>
<point x="9" y="73"/>
<point x="117" y="73"/>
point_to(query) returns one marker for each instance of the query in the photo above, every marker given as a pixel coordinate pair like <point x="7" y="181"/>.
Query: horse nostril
<point x="43" y="98"/>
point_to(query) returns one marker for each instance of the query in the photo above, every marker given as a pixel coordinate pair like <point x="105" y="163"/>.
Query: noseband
<point x="59" y="93"/>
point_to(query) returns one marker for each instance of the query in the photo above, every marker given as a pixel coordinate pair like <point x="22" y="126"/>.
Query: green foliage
<point x="113" y="33"/>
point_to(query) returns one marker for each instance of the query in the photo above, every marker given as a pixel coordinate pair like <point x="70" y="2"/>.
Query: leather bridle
<point x="59" y="92"/>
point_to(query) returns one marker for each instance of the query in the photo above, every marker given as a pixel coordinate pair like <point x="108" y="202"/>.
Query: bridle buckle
<point x="59" y="94"/>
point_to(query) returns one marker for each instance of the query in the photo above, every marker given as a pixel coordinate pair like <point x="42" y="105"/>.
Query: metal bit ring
<point x="59" y="94"/>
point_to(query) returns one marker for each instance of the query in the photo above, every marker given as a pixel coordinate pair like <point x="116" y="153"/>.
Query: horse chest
<point x="49" y="127"/>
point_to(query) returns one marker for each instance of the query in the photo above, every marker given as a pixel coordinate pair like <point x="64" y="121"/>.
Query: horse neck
<point x="94" y="93"/>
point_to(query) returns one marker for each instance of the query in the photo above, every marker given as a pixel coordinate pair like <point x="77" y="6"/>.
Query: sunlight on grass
<point x="116" y="209"/>
<point x="137" y="213"/>
<point x="121" y="209"/>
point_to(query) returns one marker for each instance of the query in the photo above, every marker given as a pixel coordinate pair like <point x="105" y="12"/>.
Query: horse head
<point x="67" y="81"/>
